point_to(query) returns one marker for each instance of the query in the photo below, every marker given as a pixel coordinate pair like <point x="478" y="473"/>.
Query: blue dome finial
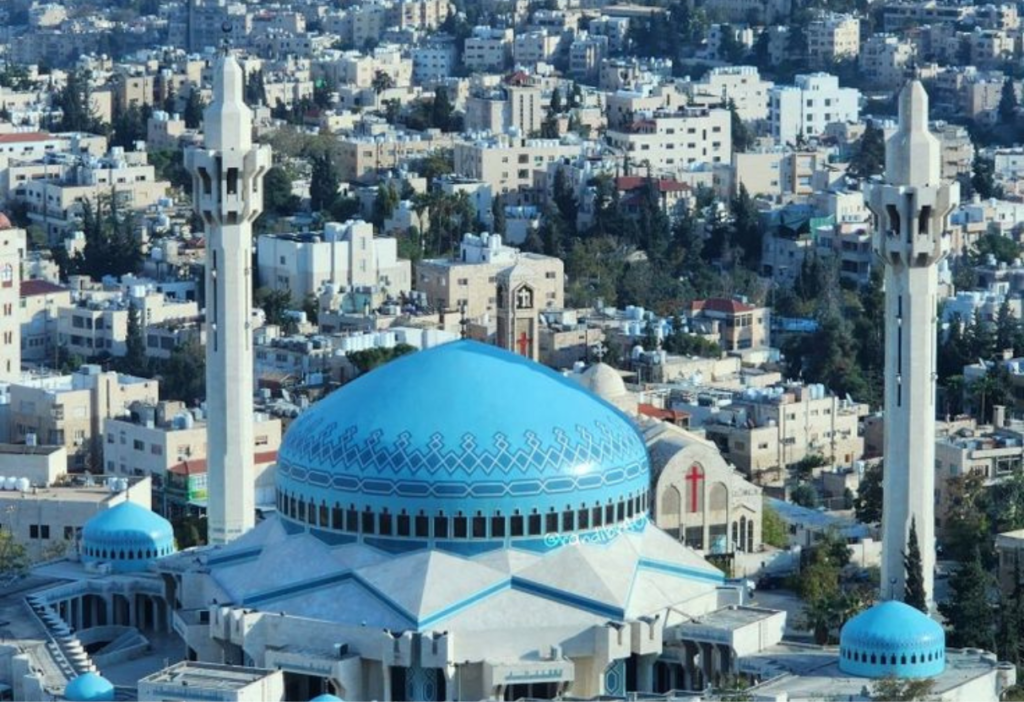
<point x="892" y="638"/>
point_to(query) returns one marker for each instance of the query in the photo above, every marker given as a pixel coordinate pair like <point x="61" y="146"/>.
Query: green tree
<point x="742" y="136"/>
<point x="805" y="495"/>
<point x="323" y="183"/>
<point x="869" y="159"/>
<point x="183" y="375"/>
<point x="968" y="611"/>
<point x="893" y="689"/>
<point x="1008" y="103"/>
<point x="747" y="228"/>
<point x="556" y="102"/>
<point x="366" y="361"/>
<point x="914" y="593"/>
<point x="498" y="216"/>
<point x="1011" y="621"/>
<point x="130" y="126"/>
<point x="135" y="362"/>
<point x="773" y="528"/>
<point x="868" y="503"/>
<point x="193" y="112"/>
<point x="384" y="204"/>
<point x="436" y="164"/>
<point x="278" y="199"/>
<point x="1007" y="327"/>
<point x="983" y="180"/>
<point x="382" y="81"/>
<point x="14" y="560"/>
<point x="442" y="111"/>
<point x="75" y="104"/>
<point x="274" y="303"/>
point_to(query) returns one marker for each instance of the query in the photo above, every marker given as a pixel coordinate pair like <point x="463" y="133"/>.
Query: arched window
<point x="551" y="521"/>
<point x="903" y="659"/>
<point x="873" y="659"/>
<point x="913" y="659"/>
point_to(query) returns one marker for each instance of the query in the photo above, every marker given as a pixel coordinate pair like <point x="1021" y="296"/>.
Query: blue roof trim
<point x="333" y="538"/>
<point x="453" y="609"/>
<point x="562" y="597"/>
<point x="470" y="548"/>
<point x="243" y="555"/>
<point x="716" y="577"/>
<point x="396" y="546"/>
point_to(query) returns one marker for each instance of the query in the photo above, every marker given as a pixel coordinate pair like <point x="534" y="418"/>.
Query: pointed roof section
<point x="227" y="122"/>
<point x="913" y="154"/>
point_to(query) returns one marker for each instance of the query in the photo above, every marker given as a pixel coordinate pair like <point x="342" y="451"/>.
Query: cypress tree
<point x="914" y="594"/>
<point x="135" y="360"/>
<point x="968" y="611"/>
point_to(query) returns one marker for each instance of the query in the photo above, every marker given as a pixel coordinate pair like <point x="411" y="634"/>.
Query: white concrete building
<point x="344" y="255"/>
<point x="672" y="142"/>
<point x="741" y="85"/>
<point x="804" y="110"/>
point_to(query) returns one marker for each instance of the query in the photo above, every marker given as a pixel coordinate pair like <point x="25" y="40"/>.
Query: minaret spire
<point x="910" y="214"/>
<point x="226" y="176"/>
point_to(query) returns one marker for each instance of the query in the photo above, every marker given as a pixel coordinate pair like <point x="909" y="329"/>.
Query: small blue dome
<point x="462" y="441"/>
<point x="892" y="638"/>
<point x="89" y="687"/>
<point x="326" y="698"/>
<point x="127" y="536"/>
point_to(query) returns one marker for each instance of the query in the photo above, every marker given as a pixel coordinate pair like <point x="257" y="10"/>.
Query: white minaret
<point x="227" y="182"/>
<point x="910" y="210"/>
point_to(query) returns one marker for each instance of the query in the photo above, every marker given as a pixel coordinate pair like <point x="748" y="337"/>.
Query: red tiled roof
<point x="31" y="288"/>
<point x="18" y="137"/>
<point x="720" y="304"/>
<point x="198" y="465"/>
<point x="649" y="410"/>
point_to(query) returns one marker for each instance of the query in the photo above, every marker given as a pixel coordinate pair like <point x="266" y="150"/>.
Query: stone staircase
<point x="67" y="649"/>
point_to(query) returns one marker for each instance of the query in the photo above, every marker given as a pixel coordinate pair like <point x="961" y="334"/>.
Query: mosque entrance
<point x="299" y="686"/>
<point x="536" y="691"/>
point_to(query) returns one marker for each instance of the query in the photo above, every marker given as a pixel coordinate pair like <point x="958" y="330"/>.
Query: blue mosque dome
<point x="89" y="687"/>
<point x="326" y="698"/>
<point x="892" y="638"/>
<point x="462" y="442"/>
<point x="128" y="537"/>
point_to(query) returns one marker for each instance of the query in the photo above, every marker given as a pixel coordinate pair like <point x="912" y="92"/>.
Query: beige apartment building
<point x="739" y="325"/>
<point x="508" y="163"/>
<point x="670" y="143"/>
<point x="741" y="85"/>
<point x="69" y="410"/>
<point x="764" y="431"/>
<point x="154" y="437"/>
<point x="387" y="149"/>
<point x="833" y="37"/>
<point x="488" y="49"/>
<point x="48" y="520"/>
<point x="99" y="323"/>
<point x="39" y="303"/>
<point x="884" y="59"/>
<point x="471" y="280"/>
<point x="621" y="106"/>
<point x="511" y="106"/>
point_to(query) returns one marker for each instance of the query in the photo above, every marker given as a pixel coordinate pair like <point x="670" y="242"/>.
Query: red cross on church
<point x="524" y="344"/>
<point x="695" y="477"/>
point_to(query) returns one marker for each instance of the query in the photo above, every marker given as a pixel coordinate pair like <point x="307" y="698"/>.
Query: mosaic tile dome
<point x="463" y="441"/>
<point x="892" y="638"/>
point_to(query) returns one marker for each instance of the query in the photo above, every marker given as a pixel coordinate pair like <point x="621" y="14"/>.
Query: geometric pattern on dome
<point x="454" y="489"/>
<point x="319" y="442"/>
